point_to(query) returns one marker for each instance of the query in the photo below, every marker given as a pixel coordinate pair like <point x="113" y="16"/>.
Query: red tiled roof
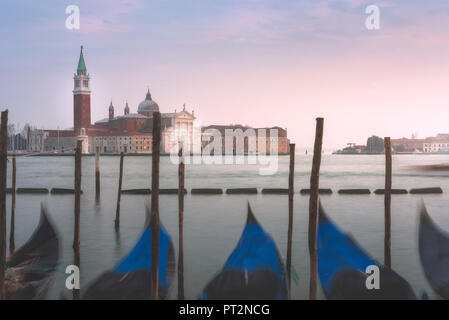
<point x="61" y="133"/>
<point x="111" y="133"/>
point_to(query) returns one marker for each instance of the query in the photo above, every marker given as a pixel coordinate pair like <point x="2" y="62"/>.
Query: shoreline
<point x="110" y="154"/>
<point x="394" y="154"/>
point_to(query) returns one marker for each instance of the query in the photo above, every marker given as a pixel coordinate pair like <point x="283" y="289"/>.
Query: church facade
<point x="131" y="132"/>
<point x="127" y="132"/>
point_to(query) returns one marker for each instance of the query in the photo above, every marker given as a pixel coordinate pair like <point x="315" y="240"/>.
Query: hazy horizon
<point x="257" y="63"/>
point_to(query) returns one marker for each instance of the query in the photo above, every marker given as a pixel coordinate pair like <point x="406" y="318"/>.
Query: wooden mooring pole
<point x="313" y="208"/>
<point x="119" y="193"/>
<point x="291" y="192"/>
<point x="76" y="238"/>
<point x="181" y="225"/>
<point x="156" y="144"/>
<point x="13" y="206"/>
<point x="3" y="167"/>
<point x="387" y="202"/>
<point x="97" y="172"/>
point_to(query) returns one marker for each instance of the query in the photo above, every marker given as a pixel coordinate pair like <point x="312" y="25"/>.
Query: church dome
<point x="148" y="105"/>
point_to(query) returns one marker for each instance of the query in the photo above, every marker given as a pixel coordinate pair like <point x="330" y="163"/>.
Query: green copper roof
<point x="81" y="63"/>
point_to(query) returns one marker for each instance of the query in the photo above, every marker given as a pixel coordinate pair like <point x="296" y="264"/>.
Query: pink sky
<point x="256" y="63"/>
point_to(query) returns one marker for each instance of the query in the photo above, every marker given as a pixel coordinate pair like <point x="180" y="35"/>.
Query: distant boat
<point x="342" y="264"/>
<point x="30" y="269"/>
<point x="434" y="253"/>
<point x="429" y="168"/>
<point x="253" y="271"/>
<point x="131" y="279"/>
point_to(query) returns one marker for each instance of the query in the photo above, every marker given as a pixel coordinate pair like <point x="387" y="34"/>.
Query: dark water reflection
<point x="213" y="224"/>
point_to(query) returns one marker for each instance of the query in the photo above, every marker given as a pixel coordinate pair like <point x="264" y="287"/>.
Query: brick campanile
<point x="81" y="96"/>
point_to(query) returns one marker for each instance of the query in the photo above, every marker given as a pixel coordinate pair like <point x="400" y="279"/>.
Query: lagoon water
<point x="213" y="223"/>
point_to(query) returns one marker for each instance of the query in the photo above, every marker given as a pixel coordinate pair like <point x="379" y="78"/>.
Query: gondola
<point x="131" y="278"/>
<point x="434" y="253"/>
<point x="30" y="269"/>
<point x="342" y="264"/>
<point x="252" y="271"/>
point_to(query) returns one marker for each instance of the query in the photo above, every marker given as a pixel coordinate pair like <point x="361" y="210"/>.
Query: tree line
<point x="18" y="136"/>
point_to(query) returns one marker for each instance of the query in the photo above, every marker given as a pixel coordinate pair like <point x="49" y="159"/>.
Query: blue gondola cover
<point x="131" y="278"/>
<point x="139" y="258"/>
<point x="252" y="271"/>
<point x="337" y="251"/>
<point x="342" y="266"/>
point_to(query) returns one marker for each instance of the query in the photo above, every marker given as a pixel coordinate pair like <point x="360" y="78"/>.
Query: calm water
<point x="213" y="224"/>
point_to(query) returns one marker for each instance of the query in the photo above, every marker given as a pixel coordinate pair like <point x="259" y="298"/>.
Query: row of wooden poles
<point x="77" y="188"/>
<point x="313" y="206"/>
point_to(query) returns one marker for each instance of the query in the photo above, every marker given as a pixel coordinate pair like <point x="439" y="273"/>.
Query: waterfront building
<point x="438" y="144"/>
<point x="353" y="148"/>
<point x="128" y="132"/>
<point x="36" y="139"/>
<point x="437" y="147"/>
<point x="132" y="132"/>
<point x="253" y="140"/>
<point x="407" y="145"/>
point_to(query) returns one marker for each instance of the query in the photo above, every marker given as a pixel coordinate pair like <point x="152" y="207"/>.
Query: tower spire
<point x="81" y="63"/>
<point x="126" y="108"/>
<point x="111" y="111"/>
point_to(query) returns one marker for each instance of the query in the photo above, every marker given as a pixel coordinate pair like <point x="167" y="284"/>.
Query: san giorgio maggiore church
<point x="127" y="132"/>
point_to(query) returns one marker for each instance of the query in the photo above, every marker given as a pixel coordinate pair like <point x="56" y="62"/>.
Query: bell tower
<point x="126" y="108"/>
<point x="111" y="111"/>
<point x="81" y="96"/>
